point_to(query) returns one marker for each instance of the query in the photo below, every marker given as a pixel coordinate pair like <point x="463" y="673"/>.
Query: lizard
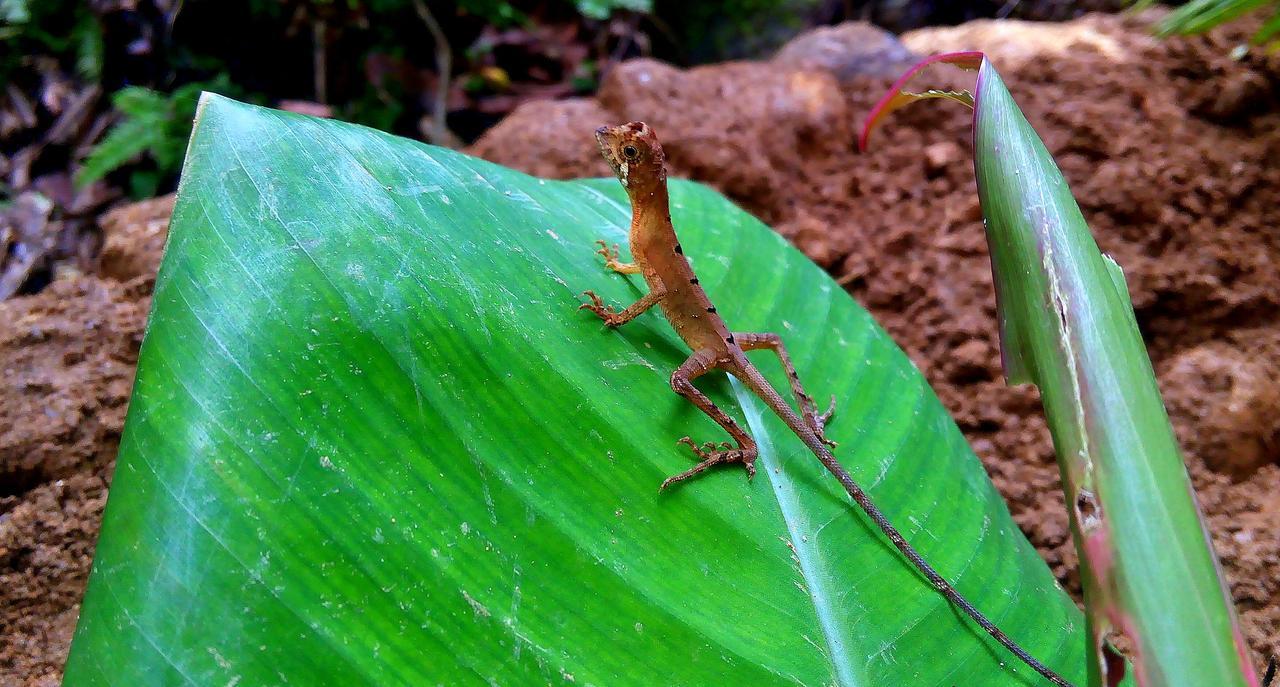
<point x="637" y="159"/>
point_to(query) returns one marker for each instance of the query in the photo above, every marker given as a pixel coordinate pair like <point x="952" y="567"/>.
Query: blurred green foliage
<point x="501" y="14"/>
<point x="144" y="148"/>
<point x="1199" y="16"/>
<point x="739" y="29"/>
<point x="496" y="12"/>
<point x="152" y="123"/>
<point x="601" y="9"/>
<point x="63" y="29"/>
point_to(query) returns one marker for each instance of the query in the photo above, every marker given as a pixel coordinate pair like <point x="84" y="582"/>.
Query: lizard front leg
<point x="615" y="318"/>
<point x="809" y="410"/>
<point x="711" y="454"/>
<point x="611" y="261"/>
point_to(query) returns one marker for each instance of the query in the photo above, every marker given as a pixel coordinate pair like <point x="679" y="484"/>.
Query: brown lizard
<point x="637" y="158"/>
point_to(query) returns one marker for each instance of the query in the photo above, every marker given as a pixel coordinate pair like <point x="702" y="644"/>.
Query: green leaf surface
<point x="372" y="441"/>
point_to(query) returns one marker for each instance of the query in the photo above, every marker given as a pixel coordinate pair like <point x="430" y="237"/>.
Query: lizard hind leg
<point x="710" y="453"/>
<point x="808" y="409"/>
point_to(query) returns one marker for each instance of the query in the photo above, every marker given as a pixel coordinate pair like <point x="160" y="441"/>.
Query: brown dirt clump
<point x="1170" y="148"/>
<point x="67" y="357"/>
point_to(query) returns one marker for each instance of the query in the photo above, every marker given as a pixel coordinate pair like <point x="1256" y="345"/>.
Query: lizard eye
<point x="630" y="152"/>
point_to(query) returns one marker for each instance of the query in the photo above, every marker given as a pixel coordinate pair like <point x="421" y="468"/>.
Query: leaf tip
<point x="896" y="97"/>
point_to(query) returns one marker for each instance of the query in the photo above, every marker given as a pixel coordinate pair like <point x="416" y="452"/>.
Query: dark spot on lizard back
<point x="712" y="309"/>
<point x="693" y="281"/>
<point x="679" y="249"/>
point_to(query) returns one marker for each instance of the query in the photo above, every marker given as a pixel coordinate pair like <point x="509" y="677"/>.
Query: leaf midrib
<point x="808" y="557"/>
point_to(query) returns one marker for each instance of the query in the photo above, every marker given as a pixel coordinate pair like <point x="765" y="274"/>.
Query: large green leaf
<point x="373" y="441"/>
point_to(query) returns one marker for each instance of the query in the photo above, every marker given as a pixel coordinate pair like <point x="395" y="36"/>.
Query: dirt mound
<point x="67" y="355"/>
<point x="1170" y="148"/>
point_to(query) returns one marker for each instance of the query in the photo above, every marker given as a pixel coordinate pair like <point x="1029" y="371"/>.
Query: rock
<point x="742" y="123"/>
<point x="1225" y="402"/>
<point x="26" y="238"/>
<point x="66" y="368"/>
<point x="725" y="97"/>
<point x="134" y="238"/>
<point x="938" y="155"/>
<point x="847" y="50"/>
<point x="1010" y="42"/>
<point x="550" y="139"/>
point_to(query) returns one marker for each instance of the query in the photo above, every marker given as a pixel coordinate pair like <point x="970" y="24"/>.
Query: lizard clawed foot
<point x="611" y="255"/>
<point x="713" y="454"/>
<point x="601" y="310"/>
<point x="818" y="423"/>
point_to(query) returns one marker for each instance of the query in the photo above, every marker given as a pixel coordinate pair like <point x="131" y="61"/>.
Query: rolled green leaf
<point x="1151" y="580"/>
<point x="373" y="441"/>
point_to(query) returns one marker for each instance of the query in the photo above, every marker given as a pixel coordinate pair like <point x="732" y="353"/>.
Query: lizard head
<point x="636" y="156"/>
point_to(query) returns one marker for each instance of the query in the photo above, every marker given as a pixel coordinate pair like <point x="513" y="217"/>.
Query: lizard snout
<point x="603" y="135"/>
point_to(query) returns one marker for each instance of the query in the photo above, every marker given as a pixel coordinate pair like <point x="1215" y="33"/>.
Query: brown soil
<point x="1169" y="146"/>
<point x="67" y="357"/>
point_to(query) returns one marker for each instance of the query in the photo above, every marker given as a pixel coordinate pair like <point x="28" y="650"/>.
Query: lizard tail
<point x="761" y="386"/>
